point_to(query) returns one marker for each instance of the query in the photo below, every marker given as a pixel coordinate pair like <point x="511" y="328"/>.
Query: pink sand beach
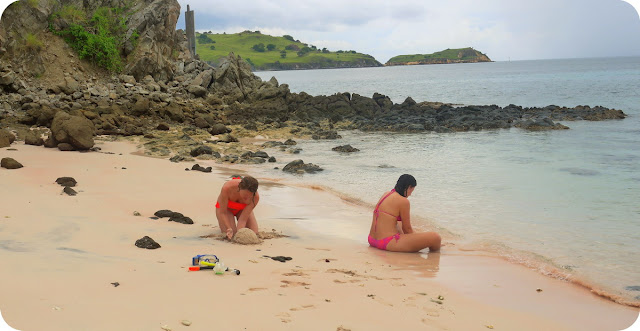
<point x="62" y="255"/>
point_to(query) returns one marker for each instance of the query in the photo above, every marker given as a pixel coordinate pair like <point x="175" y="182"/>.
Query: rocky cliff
<point x="26" y="26"/>
<point x="45" y="83"/>
<point x="462" y="55"/>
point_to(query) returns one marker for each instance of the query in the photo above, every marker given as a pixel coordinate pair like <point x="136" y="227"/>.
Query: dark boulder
<point x="6" y="138"/>
<point x="227" y="138"/>
<point x="66" y="181"/>
<point x="75" y="130"/>
<point x="329" y="135"/>
<point x="31" y="138"/>
<point x="177" y="158"/>
<point x="69" y="191"/>
<point x="50" y="142"/>
<point x="65" y="147"/>
<point x="345" y="149"/>
<point x="198" y="167"/>
<point x="147" y="242"/>
<point x="164" y="213"/>
<point x="269" y="144"/>
<point x="201" y="123"/>
<point x="181" y="219"/>
<point x="201" y="150"/>
<point x="218" y="128"/>
<point x="261" y="154"/>
<point x="9" y="163"/>
<point x="162" y="127"/>
<point x="298" y="166"/>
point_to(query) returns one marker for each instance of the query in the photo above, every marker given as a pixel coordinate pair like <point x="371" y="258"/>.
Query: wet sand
<point x="61" y="254"/>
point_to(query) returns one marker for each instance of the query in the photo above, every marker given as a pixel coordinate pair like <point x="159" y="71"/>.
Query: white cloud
<point x="502" y="29"/>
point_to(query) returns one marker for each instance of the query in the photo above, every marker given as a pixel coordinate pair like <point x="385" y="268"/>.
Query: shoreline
<point x="89" y="247"/>
<point x="529" y="259"/>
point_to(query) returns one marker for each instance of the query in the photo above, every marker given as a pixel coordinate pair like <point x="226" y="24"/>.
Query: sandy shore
<point x="60" y="255"/>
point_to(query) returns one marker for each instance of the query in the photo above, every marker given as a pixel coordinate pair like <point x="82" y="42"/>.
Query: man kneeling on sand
<point x="238" y="197"/>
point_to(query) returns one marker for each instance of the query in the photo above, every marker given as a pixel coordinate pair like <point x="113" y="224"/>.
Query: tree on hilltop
<point x="258" y="47"/>
<point x="292" y="47"/>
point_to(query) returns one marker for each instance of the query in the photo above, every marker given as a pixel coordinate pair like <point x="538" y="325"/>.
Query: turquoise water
<point x="564" y="202"/>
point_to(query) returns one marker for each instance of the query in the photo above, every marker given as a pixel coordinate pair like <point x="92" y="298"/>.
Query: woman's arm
<point x="246" y="212"/>
<point x="223" y="201"/>
<point x="405" y="215"/>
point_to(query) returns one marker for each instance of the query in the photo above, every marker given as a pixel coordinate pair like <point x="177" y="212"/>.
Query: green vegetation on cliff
<point x="265" y="52"/>
<point x="98" y="36"/>
<point x="460" y="55"/>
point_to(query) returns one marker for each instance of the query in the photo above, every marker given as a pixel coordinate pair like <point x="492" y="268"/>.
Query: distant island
<point x="265" y="52"/>
<point x="460" y="55"/>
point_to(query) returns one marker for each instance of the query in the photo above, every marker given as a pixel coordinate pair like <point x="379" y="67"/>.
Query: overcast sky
<point x="502" y="29"/>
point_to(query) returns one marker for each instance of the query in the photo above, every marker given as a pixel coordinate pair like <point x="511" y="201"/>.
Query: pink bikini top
<point x="377" y="211"/>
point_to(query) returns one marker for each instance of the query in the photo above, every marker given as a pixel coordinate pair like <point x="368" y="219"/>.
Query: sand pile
<point x="246" y="236"/>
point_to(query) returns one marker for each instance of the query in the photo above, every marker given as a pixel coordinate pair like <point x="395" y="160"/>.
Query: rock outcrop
<point x="6" y="138"/>
<point x="163" y="88"/>
<point x="77" y="131"/>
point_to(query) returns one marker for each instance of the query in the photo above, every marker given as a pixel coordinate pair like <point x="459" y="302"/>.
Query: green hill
<point x="265" y="52"/>
<point x="460" y="55"/>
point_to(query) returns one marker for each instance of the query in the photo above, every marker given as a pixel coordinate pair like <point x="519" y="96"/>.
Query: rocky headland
<point x="175" y="104"/>
<point x="461" y="55"/>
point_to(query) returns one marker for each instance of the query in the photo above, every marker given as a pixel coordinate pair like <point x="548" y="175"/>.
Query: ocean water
<point x="566" y="203"/>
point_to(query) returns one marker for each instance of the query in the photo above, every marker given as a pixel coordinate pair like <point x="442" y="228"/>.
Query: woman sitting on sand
<point x="385" y="234"/>
<point x="238" y="197"/>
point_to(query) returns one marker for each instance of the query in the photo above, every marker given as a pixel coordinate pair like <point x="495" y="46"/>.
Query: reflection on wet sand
<point x="423" y="264"/>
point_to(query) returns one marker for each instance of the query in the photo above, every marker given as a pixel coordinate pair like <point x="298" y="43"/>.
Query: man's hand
<point x="229" y="233"/>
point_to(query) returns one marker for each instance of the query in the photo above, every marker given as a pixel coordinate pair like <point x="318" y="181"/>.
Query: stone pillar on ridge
<point x="191" y="31"/>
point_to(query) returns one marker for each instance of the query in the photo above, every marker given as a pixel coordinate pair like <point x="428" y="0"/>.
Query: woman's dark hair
<point x="250" y="184"/>
<point x="404" y="182"/>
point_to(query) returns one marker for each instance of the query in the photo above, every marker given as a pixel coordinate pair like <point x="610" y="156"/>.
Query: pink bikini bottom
<point x="382" y="243"/>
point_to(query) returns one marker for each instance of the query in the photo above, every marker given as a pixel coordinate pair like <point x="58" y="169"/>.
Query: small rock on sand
<point x="246" y="236"/>
<point x="147" y="242"/>
<point x="69" y="191"/>
<point x="10" y="163"/>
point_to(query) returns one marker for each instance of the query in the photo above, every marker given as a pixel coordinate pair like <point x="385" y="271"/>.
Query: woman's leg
<point x="414" y="242"/>
<point x="252" y="223"/>
<point x="221" y="215"/>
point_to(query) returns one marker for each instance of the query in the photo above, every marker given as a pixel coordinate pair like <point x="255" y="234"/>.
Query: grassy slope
<point x="450" y="54"/>
<point x="241" y="43"/>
